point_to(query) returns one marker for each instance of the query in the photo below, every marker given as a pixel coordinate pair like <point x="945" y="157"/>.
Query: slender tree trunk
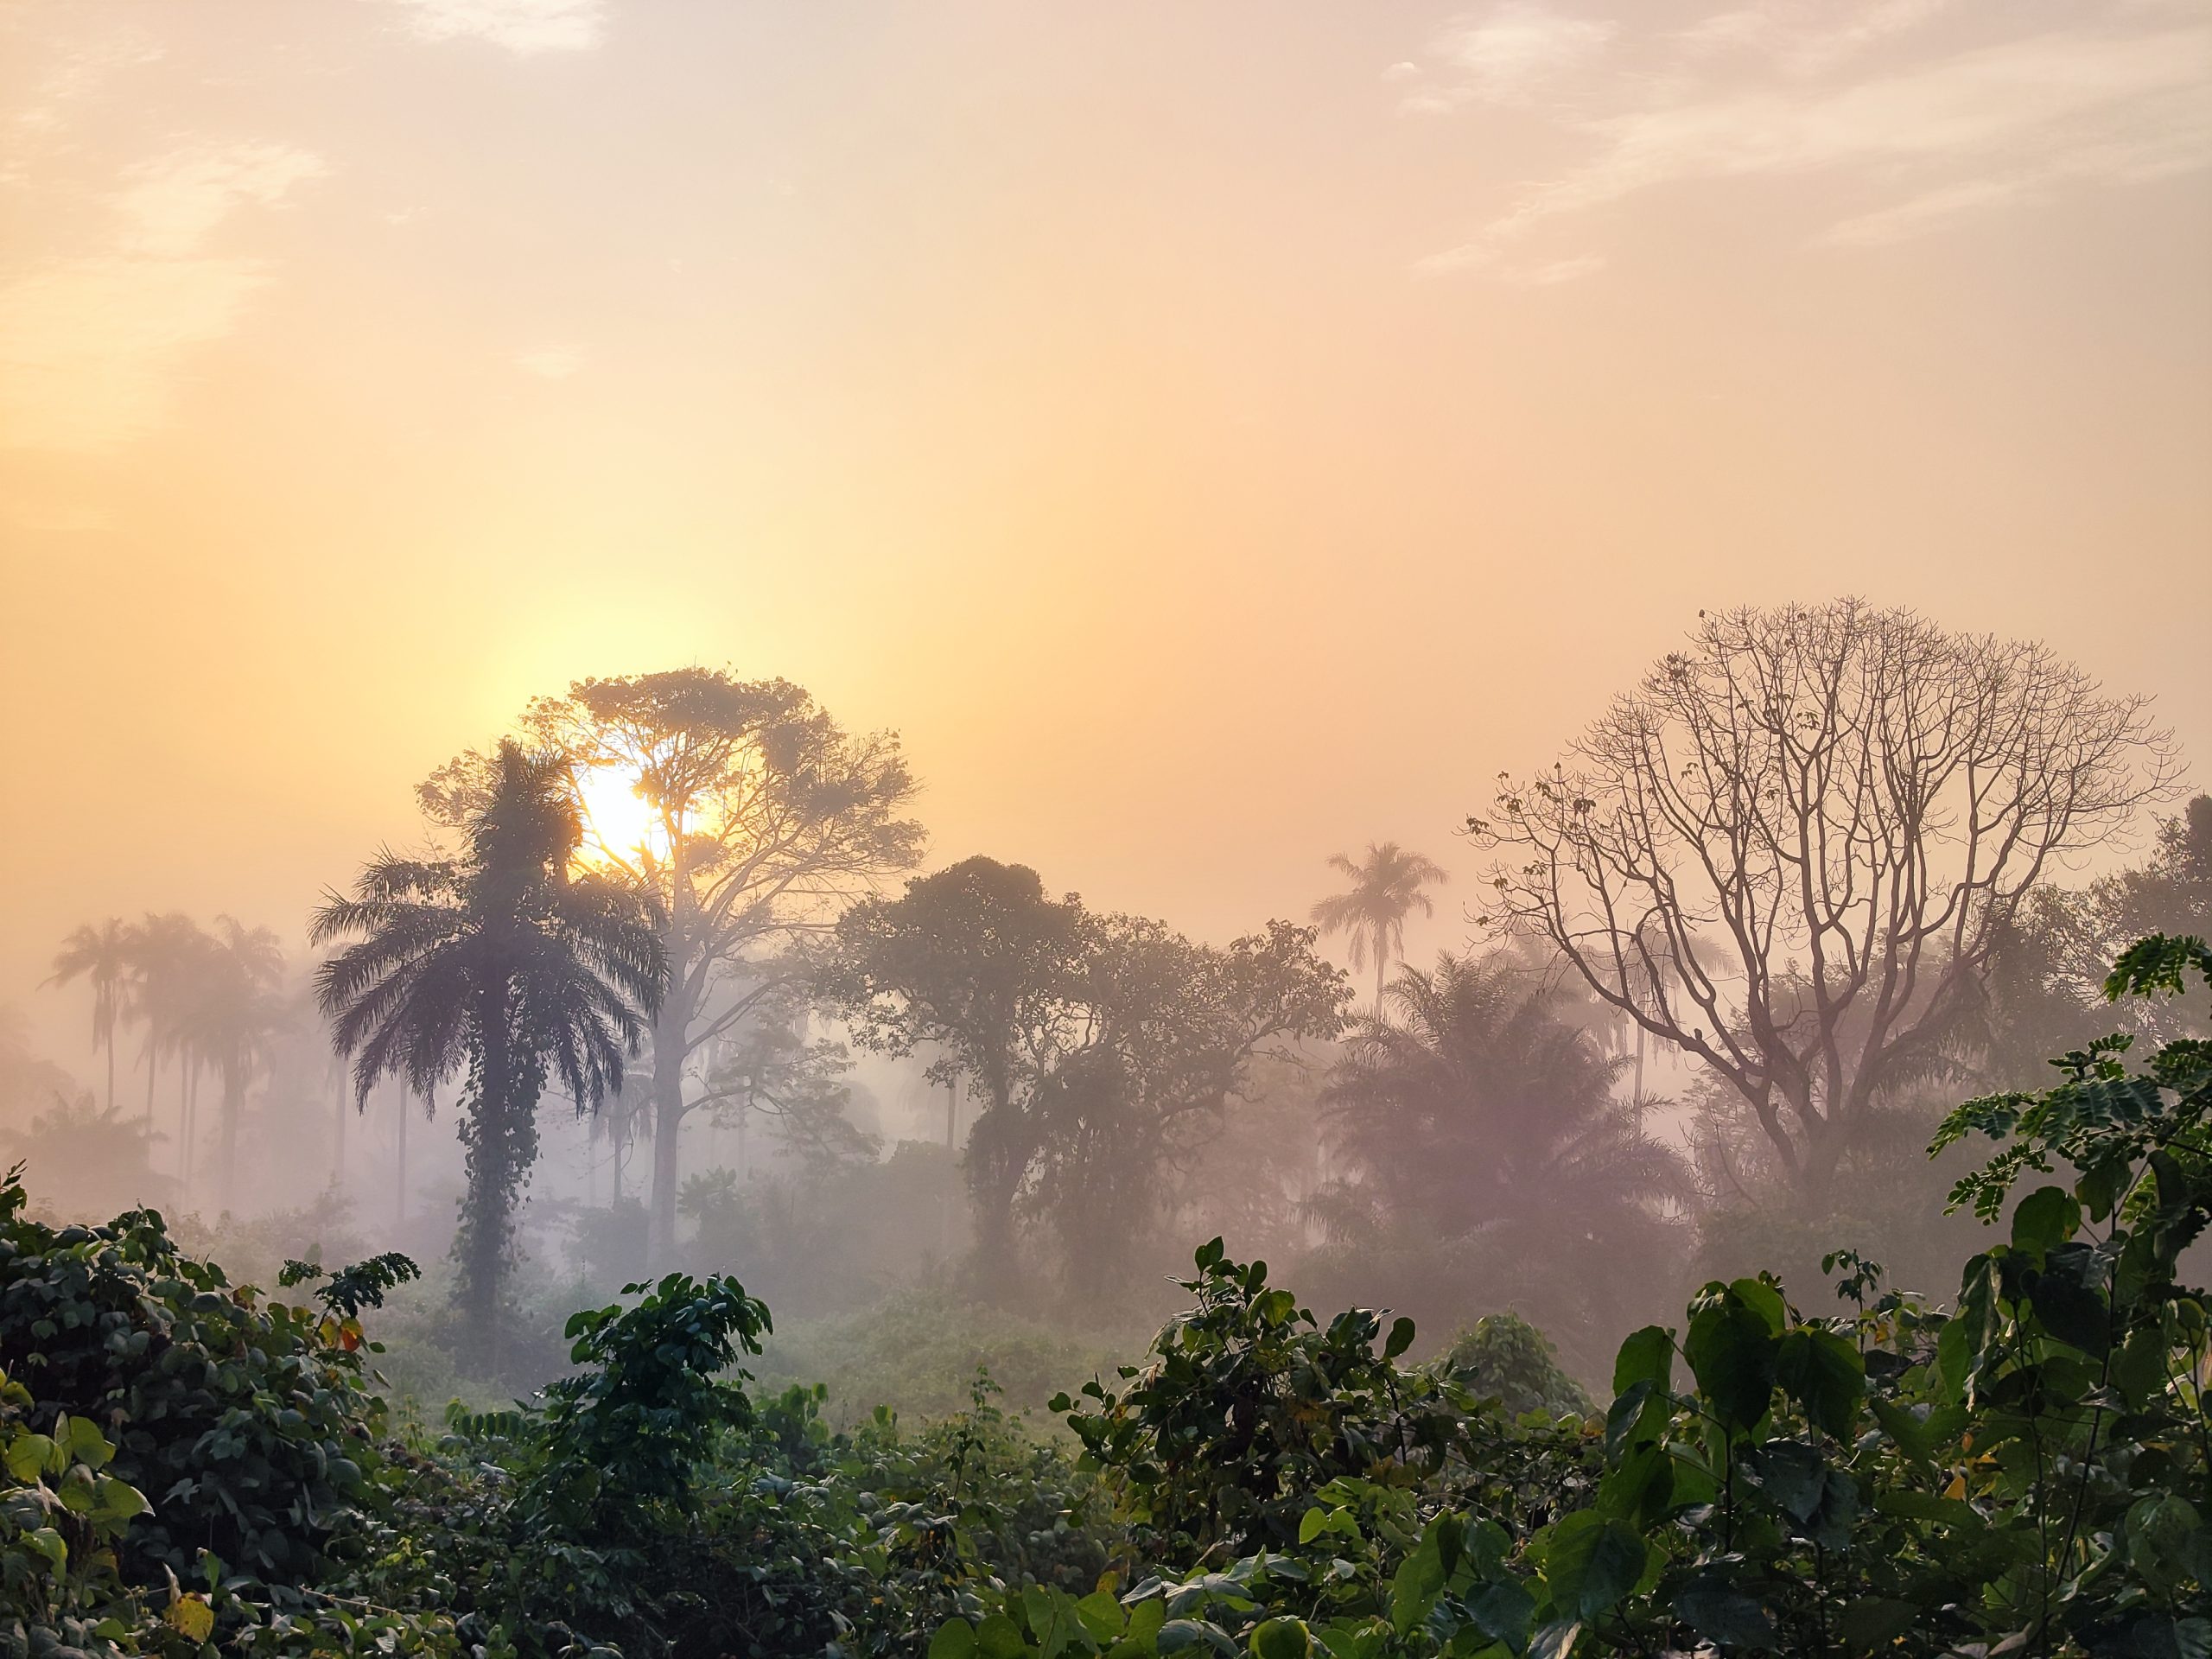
<point x="187" y="1108"/>
<point x="233" y="1103"/>
<point x="399" y="1178"/>
<point x="153" y="1068"/>
<point x="338" y="1138"/>
<point x="110" y="1074"/>
<point x="670" y="1028"/>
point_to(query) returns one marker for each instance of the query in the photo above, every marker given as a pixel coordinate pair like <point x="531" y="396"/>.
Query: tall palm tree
<point x="102" y="955"/>
<point x="1387" y="886"/>
<point x="1479" y="1122"/>
<point x="166" y="953"/>
<point x="504" y="960"/>
<point x="234" y="1015"/>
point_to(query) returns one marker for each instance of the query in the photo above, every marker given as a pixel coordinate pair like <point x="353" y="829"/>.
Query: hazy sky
<point x="1214" y="434"/>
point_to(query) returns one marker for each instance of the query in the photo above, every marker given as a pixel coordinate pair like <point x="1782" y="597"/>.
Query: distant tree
<point x="979" y="964"/>
<point x="101" y="954"/>
<point x="506" y="961"/>
<point x="1474" y="1119"/>
<point x="2048" y="959"/>
<point x="231" y="1018"/>
<point x="768" y="817"/>
<point x="1094" y="1041"/>
<point x="1788" y="850"/>
<point x="1387" y="886"/>
<point x="166" y="952"/>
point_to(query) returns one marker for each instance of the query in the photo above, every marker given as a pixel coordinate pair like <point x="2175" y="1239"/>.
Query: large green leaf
<point x="1591" y="1561"/>
<point x="1732" y="1353"/>
<point x="1824" y="1375"/>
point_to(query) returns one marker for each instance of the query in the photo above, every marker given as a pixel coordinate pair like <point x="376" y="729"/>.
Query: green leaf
<point x="1591" y="1563"/>
<point x="1648" y="1356"/>
<point x="1401" y="1338"/>
<point x="1910" y="1434"/>
<point x="1102" y="1616"/>
<point x="2167" y="1542"/>
<point x="1721" y="1613"/>
<point x="998" y="1637"/>
<point x="30" y="1456"/>
<point x="87" y="1445"/>
<point x="1504" y="1610"/>
<point x="1763" y="1299"/>
<point x="953" y="1640"/>
<point x="1145" y="1620"/>
<point x="1824" y="1375"/>
<point x="1877" y="1621"/>
<point x="1281" y="1638"/>
<point x="2047" y="1217"/>
<point x="1732" y="1354"/>
<point x="1419" y="1581"/>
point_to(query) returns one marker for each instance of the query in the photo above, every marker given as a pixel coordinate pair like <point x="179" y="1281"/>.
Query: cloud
<point x="1505" y="55"/>
<point x="550" y="362"/>
<point x="1807" y="39"/>
<point x="94" y="344"/>
<point x="174" y="203"/>
<point x="1559" y="270"/>
<point x="523" y="27"/>
<point x="1968" y="132"/>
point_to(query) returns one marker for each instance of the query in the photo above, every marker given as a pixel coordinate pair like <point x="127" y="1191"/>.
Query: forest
<point x="1772" y="1226"/>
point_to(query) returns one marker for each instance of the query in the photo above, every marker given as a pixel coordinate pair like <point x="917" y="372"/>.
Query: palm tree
<point x="166" y="953"/>
<point x="234" y="1015"/>
<point x="503" y="960"/>
<point x="1386" y="887"/>
<point x="101" y="954"/>
<point x="1480" y="1122"/>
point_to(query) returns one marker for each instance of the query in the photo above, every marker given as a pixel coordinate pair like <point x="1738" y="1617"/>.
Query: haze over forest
<point x="997" y="830"/>
<point x="1213" y="441"/>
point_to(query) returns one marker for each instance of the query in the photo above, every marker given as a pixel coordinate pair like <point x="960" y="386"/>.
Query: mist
<point x="988" y="686"/>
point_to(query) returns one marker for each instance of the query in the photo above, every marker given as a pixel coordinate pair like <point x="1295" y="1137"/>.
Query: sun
<point x="619" y="823"/>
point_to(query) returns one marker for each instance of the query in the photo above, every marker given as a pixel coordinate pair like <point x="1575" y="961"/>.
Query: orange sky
<point x="1214" y="435"/>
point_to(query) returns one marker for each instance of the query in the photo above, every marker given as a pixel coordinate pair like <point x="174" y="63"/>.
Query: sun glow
<point x="619" y="823"/>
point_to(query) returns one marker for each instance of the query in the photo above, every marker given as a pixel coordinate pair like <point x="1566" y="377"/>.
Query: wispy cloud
<point x="93" y="344"/>
<point x="550" y="362"/>
<point x="1506" y="55"/>
<point x="525" y="26"/>
<point x="1969" y="132"/>
<point x="1806" y="38"/>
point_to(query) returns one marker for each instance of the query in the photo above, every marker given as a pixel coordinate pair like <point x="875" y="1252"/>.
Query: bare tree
<point x="1788" y="849"/>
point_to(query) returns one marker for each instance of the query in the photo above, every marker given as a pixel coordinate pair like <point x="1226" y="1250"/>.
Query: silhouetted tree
<point x="769" y="816"/>
<point x="1813" y="818"/>
<point x="101" y="954"/>
<point x="231" y="1018"/>
<point x="502" y="960"/>
<point x="1094" y="1041"/>
<point x="1387" y="886"/>
<point x="1481" y="1127"/>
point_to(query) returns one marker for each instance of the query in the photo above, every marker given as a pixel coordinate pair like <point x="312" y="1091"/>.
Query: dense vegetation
<point x="196" y="1467"/>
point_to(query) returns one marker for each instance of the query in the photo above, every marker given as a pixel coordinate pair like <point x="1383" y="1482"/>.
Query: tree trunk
<point x="188" y="1112"/>
<point x="233" y="1103"/>
<point x="110" y="1073"/>
<point x="670" y="1028"/>
<point x="399" y="1165"/>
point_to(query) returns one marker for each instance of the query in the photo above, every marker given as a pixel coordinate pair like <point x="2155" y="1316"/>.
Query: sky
<point x="1213" y="435"/>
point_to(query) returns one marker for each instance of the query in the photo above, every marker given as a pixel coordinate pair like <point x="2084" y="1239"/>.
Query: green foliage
<point x="248" y="1425"/>
<point x="2022" y="1472"/>
<point x="1248" y="1405"/>
<point x="1505" y="1357"/>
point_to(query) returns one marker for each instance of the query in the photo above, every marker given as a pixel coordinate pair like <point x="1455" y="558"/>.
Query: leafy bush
<point x="248" y="1428"/>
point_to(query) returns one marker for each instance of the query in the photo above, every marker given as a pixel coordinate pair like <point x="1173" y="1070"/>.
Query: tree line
<point x="1815" y="850"/>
